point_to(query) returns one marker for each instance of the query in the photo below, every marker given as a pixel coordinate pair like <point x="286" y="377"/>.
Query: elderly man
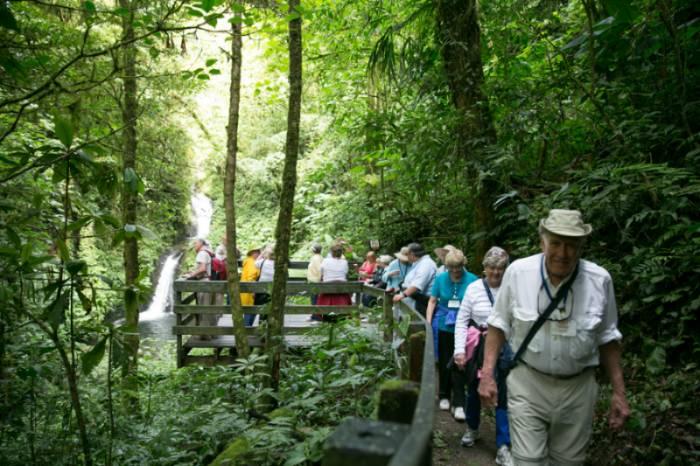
<point x="202" y="271"/>
<point x="419" y="280"/>
<point x="552" y="388"/>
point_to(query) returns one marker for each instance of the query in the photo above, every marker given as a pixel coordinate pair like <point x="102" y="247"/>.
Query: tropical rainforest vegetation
<point x="441" y="121"/>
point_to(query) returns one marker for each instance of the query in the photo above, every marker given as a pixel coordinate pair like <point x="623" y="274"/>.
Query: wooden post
<point x="363" y="442"/>
<point x="388" y="308"/>
<point x="178" y="322"/>
<point x="397" y="401"/>
<point x="416" y="348"/>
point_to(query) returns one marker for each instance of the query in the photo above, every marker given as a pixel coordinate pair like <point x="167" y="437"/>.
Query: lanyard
<point x="488" y="291"/>
<point x="544" y="284"/>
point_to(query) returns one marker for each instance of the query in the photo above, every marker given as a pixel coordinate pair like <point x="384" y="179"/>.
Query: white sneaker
<point x="444" y="404"/>
<point x="503" y="456"/>
<point x="458" y="414"/>
<point x="469" y="437"/>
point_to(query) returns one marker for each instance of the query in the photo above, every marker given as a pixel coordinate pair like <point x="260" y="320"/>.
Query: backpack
<point x="219" y="269"/>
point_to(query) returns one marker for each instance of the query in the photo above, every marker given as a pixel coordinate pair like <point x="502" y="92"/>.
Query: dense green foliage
<point x="595" y="106"/>
<point x="189" y="416"/>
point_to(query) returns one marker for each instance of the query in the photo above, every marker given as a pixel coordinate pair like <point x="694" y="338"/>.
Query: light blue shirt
<point x="421" y="276"/>
<point x="395" y="281"/>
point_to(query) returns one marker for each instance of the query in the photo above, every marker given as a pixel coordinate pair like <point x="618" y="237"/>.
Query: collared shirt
<point x="476" y="306"/>
<point x="313" y="273"/>
<point x="334" y="269"/>
<point x="568" y="341"/>
<point x="422" y="276"/>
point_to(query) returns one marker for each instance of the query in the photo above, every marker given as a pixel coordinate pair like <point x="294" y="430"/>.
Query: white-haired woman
<point x="469" y="331"/>
<point x="445" y="297"/>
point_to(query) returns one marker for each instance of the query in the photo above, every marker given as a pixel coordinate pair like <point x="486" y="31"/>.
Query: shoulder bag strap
<point x="543" y="317"/>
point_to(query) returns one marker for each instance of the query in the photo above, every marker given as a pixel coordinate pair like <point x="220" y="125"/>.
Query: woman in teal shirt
<point x="445" y="298"/>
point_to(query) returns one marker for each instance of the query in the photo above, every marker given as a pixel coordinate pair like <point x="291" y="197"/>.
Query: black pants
<point x="261" y="299"/>
<point x="453" y="381"/>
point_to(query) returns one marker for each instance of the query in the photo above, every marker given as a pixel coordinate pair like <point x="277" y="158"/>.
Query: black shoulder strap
<point x="543" y="317"/>
<point x="488" y="291"/>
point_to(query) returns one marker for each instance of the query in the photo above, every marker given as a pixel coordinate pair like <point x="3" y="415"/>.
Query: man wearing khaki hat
<point x="561" y="309"/>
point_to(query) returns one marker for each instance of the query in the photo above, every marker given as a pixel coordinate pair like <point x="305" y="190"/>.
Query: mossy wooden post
<point x="363" y="442"/>
<point x="388" y="308"/>
<point x="416" y="349"/>
<point x="397" y="401"/>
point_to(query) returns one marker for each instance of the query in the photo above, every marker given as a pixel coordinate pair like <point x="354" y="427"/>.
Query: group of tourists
<point x="523" y="338"/>
<point x="258" y="265"/>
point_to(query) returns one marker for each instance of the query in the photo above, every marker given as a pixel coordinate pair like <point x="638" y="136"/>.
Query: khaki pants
<point x="550" y="419"/>
<point x="207" y="320"/>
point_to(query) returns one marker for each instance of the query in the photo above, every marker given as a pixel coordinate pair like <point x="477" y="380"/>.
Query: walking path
<point x="447" y="450"/>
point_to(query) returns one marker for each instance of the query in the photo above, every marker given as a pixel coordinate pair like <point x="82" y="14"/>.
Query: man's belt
<point x="558" y="376"/>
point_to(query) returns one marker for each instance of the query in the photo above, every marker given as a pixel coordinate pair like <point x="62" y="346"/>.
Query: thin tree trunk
<point x="460" y="38"/>
<point x="234" y="288"/>
<point x="130" y="195"/>
<point x="274" y="341"/>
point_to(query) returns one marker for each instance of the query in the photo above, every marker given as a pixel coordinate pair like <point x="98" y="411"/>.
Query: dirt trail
<point x="447" y="450"/>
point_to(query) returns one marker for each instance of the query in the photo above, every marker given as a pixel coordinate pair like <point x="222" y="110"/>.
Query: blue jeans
<point x="473" y="413"/>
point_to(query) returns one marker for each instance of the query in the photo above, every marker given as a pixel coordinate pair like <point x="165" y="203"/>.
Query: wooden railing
<point x="188" y="312"/>
<point x="402" y="436"/>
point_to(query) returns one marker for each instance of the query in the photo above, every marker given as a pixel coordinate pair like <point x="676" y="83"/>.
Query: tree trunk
<point x="460" y="37"/>
<point x="274" y="341"/>
<point x="234" y="288"/>
<point x="130" y="195"/>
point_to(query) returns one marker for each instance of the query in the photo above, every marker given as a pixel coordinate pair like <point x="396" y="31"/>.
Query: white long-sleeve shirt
<point x="568" y="342"/>
<point x="475" y="306"/>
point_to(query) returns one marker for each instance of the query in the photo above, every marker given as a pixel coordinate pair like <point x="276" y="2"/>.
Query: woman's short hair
<point x="316" y="249"/>
<point x="336" y="250"/>
<point x="496" y="257"/>
<point x="454" y="258"/>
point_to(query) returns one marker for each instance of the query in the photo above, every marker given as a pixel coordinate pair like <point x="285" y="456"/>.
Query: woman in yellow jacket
<point x="250" y="273"/>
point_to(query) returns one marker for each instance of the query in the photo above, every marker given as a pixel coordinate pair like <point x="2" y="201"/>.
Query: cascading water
<point x="202" y="209"/>
<point x="157" y="321"/>
<point x="163" y="296"/>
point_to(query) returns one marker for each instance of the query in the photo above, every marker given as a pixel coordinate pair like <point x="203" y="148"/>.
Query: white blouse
<point x="475" y="306"/>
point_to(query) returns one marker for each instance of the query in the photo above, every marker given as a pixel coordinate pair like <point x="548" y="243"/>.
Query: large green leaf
<point x="92" y="358"/>
<point x="55" y="312"/>
<point x="64" y="130"/>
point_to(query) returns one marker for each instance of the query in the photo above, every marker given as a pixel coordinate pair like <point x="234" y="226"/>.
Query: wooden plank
<point x="294" y="309"/>
<point x="220" y="286"/>
<point x="229" y="341"/>
<point x="210" y="330"/>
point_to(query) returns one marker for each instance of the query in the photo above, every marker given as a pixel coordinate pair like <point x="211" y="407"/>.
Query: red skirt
<point x="335" y="299"/>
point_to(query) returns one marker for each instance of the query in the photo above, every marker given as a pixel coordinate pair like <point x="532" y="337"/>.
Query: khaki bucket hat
<point x="566" y="223"/>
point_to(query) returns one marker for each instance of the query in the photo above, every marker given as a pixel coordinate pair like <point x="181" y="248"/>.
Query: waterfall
<point x="163" y="296"/>
<point x="202" y="209"/>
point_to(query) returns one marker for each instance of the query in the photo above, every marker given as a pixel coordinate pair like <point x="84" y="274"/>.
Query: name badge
<point x="453" y="303"/>
<point x="564" y="328"/>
